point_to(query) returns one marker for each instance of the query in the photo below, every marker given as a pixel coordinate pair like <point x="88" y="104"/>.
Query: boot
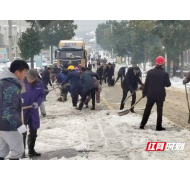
<point x="64" y="97"/>
<point x="93" y="105"/>
<point x="122" y="106"/>
<point x="160" y="128"/>
<point x="31" y="144"/>
<point x="132" y="111"/>
<point x="1" y="158"/>
<point x="24" y="141"/>
<point x="141" y="127"/>
<point x="80" y="106"/>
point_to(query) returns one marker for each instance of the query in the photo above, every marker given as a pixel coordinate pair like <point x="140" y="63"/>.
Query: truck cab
<point x="71" y="52"/>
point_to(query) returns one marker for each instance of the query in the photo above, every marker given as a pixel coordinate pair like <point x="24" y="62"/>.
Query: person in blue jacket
<point x="75" y="84"/>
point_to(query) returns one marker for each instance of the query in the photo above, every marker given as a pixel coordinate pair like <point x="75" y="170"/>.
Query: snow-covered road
<point x="104" y="134"/>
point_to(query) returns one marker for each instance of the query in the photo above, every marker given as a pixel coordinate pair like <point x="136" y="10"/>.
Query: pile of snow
<point x="105" y="136"/>
<point x="178" y="82"/>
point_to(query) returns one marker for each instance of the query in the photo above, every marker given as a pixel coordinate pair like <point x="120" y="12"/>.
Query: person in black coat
<point x="156" y="81"/>
<point x="121" y="74"/>
<point x="89" y="87"/>
<point x="89" y="65"/>
<point x="46" y="80"/>
<point x="100" y="72"/>
<point x="110" y="72"/>
<point x="130" y="83"/>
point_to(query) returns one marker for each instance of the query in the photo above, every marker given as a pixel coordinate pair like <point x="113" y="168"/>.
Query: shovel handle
<point x="136" y="103"/>
<point x="27" y="107"/>
<point x="130" y="96"/>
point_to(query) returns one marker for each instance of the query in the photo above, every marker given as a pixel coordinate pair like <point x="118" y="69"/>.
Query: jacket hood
<point x="6" y="74"/>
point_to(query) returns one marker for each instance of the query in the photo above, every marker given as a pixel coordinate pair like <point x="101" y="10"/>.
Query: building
<point x="18" y="26"/>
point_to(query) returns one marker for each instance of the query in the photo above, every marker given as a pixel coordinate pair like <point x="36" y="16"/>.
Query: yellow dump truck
<point x="71" y="52"/>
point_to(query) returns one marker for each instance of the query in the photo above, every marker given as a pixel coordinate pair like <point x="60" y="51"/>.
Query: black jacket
<point x="88" y="82"/>
<point x="131" y="81"/>
<point x="109" y="71"/>
<point x="156" y="81"/>
<point x="100" y="71"/>
<point x="46" y="77"/>
<point x="89" y="66"/>
<point x="122" y="71"/>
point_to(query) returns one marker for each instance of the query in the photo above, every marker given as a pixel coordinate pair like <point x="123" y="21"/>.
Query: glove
<point x="22" y="129"/>
<point x="185" y="81"/>
<point x="35" y="105"/>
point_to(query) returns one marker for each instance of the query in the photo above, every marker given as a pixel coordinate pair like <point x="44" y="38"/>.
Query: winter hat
<point x="32" y="74"/>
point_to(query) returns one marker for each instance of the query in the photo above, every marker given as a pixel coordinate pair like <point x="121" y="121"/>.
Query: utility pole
<point x="112" y="45"/>
<point x="10" y="40"/>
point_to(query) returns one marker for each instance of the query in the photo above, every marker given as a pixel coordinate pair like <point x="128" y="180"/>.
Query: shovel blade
<point x="189" y="120"/>
<point x="123" y="112"/>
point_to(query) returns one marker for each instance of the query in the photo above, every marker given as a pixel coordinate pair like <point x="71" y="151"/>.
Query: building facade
<point x="18" y="26"/>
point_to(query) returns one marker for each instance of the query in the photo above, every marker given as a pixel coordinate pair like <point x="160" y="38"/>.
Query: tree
<point x="56" y="31"/>
<point x="30" y="45"/>
<point x="175" y="38"/>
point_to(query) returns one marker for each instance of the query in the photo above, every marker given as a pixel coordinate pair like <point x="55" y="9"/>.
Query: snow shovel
<point x="140" y="88"/>
<point x="126" y="111"/>
<point x="22" y="115"/>
<point x="187" y="103"/>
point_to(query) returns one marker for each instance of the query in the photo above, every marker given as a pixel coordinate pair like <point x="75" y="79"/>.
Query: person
<point x="75" y="84"/>
<point x="187" y="78"/>
<point x="11" y="125"/>
<point x="105" y="73"/>
<point x="110" y="73"/>
<point x="113" y="64"/>
<point x="156" y="81"/>
<point x="42" y="106"/>
<point x="130" y="83"/>
<point x="46" y="80"/>
<point x="64" y="90"/>
<point x="89" y="65"/>
<point x="100" y="72"/>
<point x="65" y="69"/>
<point x="121" y="74"/>
<point x="89" y="87"/>
<point x="79" y="65"/>
<point x="34" y="95"/>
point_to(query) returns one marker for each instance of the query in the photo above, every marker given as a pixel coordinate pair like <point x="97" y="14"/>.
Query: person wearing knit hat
<point x="32" y="75"/>
<point x="34" y="95"/>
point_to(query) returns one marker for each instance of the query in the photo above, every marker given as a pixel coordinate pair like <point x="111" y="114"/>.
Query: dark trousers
<point x="105" y="78"/>
<point x="109" y="80"/>
<point x="100" y="76"/>
<point x="124" y="97"/>
<point x="31" y="139"/>
<point x="90" y="93"/>
<point x="46" y="90"/>
<point x="74" y="94"/>
<point x="119" y="76"/>
<point x="150" y="103"/>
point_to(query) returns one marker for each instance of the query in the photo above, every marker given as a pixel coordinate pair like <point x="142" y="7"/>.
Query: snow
<point x="105" y="136"/>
